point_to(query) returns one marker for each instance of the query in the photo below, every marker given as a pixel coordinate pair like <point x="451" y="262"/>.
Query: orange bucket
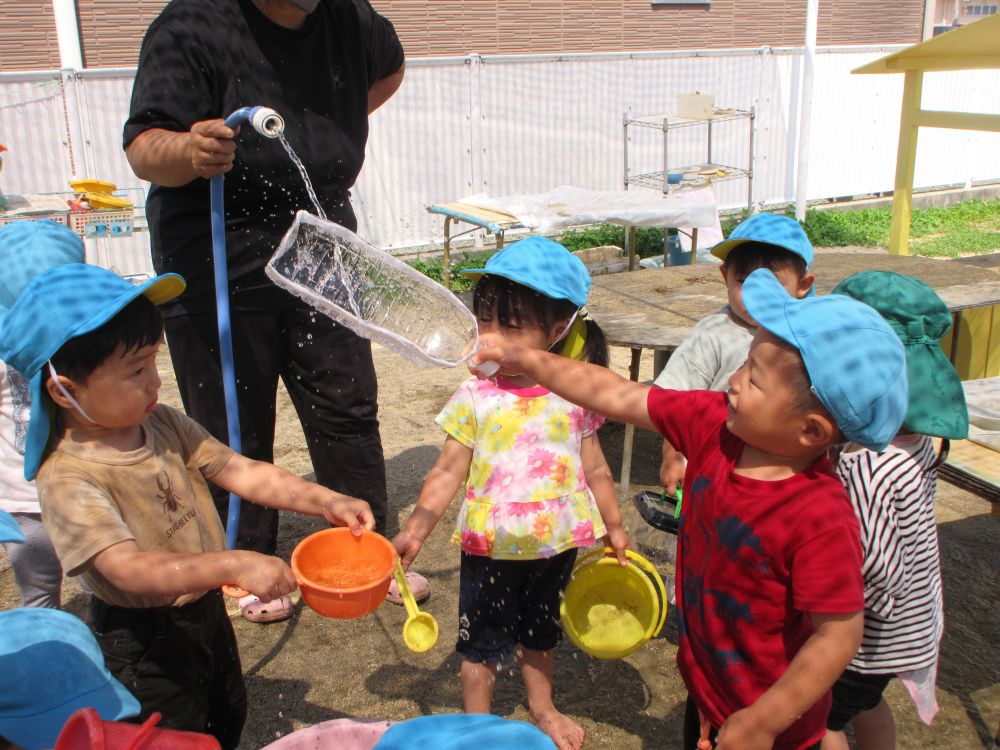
<point x="85" y="730"/>
<point x="341" y="575"/>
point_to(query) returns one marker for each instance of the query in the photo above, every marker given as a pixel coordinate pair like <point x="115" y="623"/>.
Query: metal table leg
<point x="630" y="246"/>
<point x="446" y="271"/>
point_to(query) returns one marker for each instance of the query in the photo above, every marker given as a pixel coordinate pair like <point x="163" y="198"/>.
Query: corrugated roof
<point x="974" y="46"/>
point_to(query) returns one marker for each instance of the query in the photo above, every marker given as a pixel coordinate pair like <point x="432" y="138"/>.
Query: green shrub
<point x="434" y="268"/>
<point x="648" y="240"/>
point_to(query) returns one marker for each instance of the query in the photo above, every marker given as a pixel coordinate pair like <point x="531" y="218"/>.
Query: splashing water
<point x="302" y="171"/>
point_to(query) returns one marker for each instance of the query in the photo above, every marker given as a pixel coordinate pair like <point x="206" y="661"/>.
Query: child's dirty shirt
<point x="94" y="496"/>
<point x="526" y="496"/>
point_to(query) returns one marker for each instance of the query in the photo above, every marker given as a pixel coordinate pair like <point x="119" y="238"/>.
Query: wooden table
<point x="655" y="308"/>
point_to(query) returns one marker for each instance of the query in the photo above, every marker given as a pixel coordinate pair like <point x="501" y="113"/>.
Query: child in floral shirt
<point x="537" y="486"/>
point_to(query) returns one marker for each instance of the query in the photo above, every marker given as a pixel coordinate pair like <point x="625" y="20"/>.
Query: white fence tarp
<point x="526" y="124"/>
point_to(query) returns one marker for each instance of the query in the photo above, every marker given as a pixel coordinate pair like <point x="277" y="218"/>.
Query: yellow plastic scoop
<point x="106" y="200"/>
<point x="420" y="632"/>
<point x="92" y="186"/>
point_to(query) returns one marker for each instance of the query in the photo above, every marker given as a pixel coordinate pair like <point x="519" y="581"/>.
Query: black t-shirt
<point x="204" y="59"/>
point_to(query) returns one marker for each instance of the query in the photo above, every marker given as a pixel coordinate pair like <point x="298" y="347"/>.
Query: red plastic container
<point x="85" y="730"/>
<point x="366" y="563"/>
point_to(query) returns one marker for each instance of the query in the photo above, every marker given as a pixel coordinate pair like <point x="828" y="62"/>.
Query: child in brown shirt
<point x="122" y="485"/>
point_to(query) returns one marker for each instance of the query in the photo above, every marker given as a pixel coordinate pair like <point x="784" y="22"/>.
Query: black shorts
<point x="855" y="693"/>
<point x="503" y="603"/>
<point x="180" y="661"/>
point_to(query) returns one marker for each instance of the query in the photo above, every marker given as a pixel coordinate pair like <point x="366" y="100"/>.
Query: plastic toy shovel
<point x="420" y="632"/>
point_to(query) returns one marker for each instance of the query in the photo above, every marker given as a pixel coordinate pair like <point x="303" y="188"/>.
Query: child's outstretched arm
<point x="269" y="485"/>
<point x="810" y="674"/>
<point x="592" y="387"/>
<point x="444" y="479"/>
<point x="601" y="483"/>
<point x="167" y="575"/>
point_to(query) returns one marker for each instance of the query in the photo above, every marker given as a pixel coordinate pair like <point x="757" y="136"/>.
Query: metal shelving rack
<point x="696" y="175"/>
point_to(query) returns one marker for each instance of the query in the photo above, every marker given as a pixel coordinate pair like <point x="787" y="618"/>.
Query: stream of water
<point x="305" y="175"/>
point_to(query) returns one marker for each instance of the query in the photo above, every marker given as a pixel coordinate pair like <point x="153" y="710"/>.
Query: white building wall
<point x="505" y="125"/>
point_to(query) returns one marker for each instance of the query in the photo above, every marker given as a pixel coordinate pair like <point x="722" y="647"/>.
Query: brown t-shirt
<point x="94" y="497"/>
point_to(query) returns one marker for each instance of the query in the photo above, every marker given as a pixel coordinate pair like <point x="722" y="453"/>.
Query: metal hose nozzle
<point x="264" y="120"/>
<point x="267" y="122"/>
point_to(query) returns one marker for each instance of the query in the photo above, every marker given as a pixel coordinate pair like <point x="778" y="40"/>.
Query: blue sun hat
<point x="27" y="248"/>
<point x="58" y="305"/>
<point x="769" y="229"/>
<point x="464" y="731"/>
<point x="854" y="359"/>
<point x="10" y="531"/>
<point x="543" y="265"/>
<point x="50" y="666"/>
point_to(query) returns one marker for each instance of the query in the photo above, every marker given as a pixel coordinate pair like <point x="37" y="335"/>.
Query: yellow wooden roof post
<point x="975" y="46"/>
<point x="906" y="160"/>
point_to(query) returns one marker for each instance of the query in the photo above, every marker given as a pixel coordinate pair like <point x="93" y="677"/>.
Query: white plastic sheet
<point x="568" y="206"/>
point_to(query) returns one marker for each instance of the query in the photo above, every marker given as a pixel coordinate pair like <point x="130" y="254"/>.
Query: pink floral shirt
<point x="526" y="496"/>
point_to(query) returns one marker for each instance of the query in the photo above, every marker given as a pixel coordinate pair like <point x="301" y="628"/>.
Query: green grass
<point x="966" y="228"/>
<point x="972" y="227"/>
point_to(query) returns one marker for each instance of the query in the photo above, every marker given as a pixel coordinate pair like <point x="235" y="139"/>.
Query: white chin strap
<point x="565" y="331"/>
<point x="63" y="391"/>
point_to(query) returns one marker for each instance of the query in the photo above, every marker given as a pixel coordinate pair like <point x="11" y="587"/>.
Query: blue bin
<point x="676" y="256"/>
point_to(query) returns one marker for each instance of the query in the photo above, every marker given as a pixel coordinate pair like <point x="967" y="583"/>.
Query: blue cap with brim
<point x="543" y="265"/>
<point x="28" y="248"/>
<point x="10" y="531"/>
<point x="58" y="305"/>
<point x="463" y="731"/>
<point x="769" y="229"/>
<point x="51" y="666"/>
<point x="854" y="359"/>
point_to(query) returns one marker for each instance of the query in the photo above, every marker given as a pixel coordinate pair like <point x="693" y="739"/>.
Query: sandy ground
<point x="311" y="669"/>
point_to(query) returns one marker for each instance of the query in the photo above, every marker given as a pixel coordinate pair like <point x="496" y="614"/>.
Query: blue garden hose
<point x="268" y="123"/>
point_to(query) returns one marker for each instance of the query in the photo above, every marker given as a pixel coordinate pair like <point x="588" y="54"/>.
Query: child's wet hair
<point x="747" y="257"/>
<point x="138" y="324"/>
<point x="514" y="305"/>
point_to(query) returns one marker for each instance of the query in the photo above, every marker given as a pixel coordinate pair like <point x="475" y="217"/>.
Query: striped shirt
<point x="893" y="497"/>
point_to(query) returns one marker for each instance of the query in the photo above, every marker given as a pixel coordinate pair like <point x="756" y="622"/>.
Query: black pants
<point x="329" y="374"/>
<point x="180" y="661"/>
<point x="692" y="727"/>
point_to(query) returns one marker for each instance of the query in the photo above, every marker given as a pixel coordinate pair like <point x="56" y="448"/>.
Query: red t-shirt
<point x="754" y="558"/>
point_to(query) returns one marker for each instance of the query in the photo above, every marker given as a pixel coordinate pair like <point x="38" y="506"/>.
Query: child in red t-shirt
<point x="769" y="594"/>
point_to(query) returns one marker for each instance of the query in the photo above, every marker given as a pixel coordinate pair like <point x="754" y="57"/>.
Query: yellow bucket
<point x="610" y="611"/>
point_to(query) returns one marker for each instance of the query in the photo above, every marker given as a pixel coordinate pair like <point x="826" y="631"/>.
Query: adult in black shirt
<point x="324" y="66"/>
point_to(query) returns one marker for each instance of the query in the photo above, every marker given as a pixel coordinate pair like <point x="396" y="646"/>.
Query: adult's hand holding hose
<point x="212" y="148"/>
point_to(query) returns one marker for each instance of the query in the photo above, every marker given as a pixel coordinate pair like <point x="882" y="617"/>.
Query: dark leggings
<point x="330" y="377"/>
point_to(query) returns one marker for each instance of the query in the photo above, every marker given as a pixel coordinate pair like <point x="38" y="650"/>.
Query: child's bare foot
<point x="566" y="733"/>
